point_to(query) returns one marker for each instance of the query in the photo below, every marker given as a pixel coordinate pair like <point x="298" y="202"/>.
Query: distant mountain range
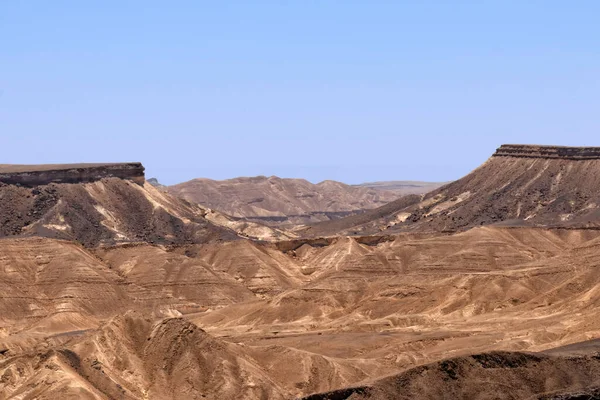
<point x="403" y="187"/>
<point x="295" y="201"/>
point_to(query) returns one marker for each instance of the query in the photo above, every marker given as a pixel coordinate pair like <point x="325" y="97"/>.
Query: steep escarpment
<point x="556" y="152"/>
<point x="34" y="175"/>
<point x="519" y="185"/>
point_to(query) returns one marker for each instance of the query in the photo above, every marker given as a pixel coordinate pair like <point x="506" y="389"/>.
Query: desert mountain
<point x="105" y="204"/>
<point x="279" y="200"/>
<point x="520" y="185"/>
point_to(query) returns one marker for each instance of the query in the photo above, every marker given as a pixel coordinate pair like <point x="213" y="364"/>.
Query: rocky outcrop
<point x="35" y="175"/>
<point x="553" y="152"/>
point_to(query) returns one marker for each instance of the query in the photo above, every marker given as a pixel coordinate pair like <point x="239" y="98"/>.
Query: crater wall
<point x="34" y="175"/>
<point x="560" y="152"/>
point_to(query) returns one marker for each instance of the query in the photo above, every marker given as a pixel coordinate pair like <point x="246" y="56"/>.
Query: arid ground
<point x="485" y="288"/>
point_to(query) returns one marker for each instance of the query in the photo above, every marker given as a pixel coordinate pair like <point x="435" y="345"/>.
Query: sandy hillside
<point x="546" y="186"/>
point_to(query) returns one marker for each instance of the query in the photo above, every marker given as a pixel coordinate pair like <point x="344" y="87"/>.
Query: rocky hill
<point x="520" y="185"/>
<point x="100" y="204"/>
<point x="277" y="200"/>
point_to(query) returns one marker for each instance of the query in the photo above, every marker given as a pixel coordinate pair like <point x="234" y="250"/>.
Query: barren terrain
<point x="347" y="313"/>
<point x="115" y="290"/>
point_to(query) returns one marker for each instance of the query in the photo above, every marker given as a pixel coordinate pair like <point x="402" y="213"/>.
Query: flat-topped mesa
<point x="553" y="152"/>
<point x="34" y="175"/>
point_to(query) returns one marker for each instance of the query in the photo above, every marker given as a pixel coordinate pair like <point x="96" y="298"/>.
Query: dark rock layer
<point x="535" y="151"/>
<point x="36" y="175"/>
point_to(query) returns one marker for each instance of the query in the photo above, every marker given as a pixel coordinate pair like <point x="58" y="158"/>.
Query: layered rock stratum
<point x="549" y="152"/>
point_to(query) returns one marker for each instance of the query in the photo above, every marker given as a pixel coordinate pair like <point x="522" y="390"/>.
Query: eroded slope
<point x="115" y="210"/>
<point x="135" y="357"/>
<point x="546" y="186"/>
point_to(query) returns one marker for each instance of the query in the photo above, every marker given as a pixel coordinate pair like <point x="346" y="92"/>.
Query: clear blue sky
<point x="347" y="90"/>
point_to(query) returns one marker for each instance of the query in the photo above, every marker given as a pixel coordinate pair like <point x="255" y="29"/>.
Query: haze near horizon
<point x="353" y="91"/>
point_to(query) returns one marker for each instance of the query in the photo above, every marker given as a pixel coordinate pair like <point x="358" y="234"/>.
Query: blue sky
<point x="348" y="90"/>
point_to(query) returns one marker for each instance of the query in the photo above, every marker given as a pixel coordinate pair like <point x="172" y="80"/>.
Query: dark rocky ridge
<point x="553" y="152"/>
<point x="36" y="175"/>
